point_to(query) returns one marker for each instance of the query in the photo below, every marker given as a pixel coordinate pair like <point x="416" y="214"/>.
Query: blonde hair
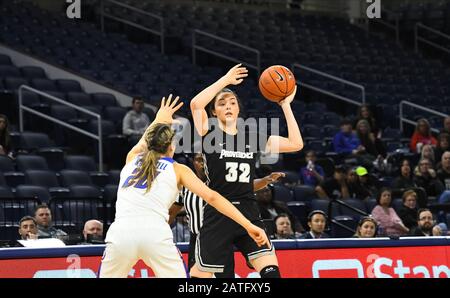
<point x="158" y="140"/>
<point x="409" y="193"/>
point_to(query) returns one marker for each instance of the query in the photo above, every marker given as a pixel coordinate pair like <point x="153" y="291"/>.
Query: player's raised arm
<point x="164" y="115"/>
<point x="294" y="141"/>
<point x="186" y="177"/>
<point x="198" y="104"/>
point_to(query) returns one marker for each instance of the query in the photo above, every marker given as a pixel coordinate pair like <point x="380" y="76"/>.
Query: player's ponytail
<point x="158" y="140"/>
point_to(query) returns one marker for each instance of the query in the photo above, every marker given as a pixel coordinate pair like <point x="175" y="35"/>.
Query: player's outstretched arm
<point x="294" y="141"/>
<point x="263" y="182"/>
<point x="186" y="177"/>
<point x="164" y="115"/>
<point x="198" y="104"/>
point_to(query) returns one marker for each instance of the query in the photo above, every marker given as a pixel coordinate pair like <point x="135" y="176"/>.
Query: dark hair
<point x="346" y="121"/>
<point x="5" y="139"/>
<point x="341" y="169"/>
<point x="423" y="210"/>
<point x="41" y="206"/>
<point x="136" y="98"/>
<point x="281" y="215"/>
<point x="314" y="212"/>
<point x="158" y="140"/>
<point x="425" y="121"/>
<point x="210" y="106"/>
<point x="443" y="135"/>
<point x="363" y="220"/>
<point x="25" y="218"/>
<point x="383" y="189"/>
<point x="311" y="152"/>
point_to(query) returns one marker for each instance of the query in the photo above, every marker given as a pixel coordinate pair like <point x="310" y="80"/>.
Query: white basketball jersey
<point x="133" y="200"/>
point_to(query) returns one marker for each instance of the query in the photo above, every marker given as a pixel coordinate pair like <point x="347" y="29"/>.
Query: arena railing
<point x="335" y="202"/>
<point x="328" y="76"/>
<point x="395" y="26"/>
<point x="418" y="38"/>
<point x="196" y="47"/>
<point x="402" y="117"/>
<point x="98" y="137"/>
<point x="104" y="14"/>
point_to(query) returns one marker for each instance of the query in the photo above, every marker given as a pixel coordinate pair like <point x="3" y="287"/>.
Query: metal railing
<point x="104" y="14"/>
<point x="98" y="137"/>
<point x="196" y="48"/>
<point x="341" y="203"/>
<point x="418" y="38"/>
<point x="340" y="80"/>
<point x="408" y="103"/>
<point x="395" y="26"/>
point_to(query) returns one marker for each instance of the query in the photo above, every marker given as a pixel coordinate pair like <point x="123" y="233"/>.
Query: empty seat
<point x="281" y="193"/>
<point x="300" y="210"/>
<point x="5" y="60"/>
<point x="104" y="99"/>
<point x="85" y="192"/>
<point x="65" y="85"/>
<point x="2" y="180"/>
<point x="6" y="164"/>
<point x="54" y="158"/>
<point x="6" y="193"/>
<point x="338" y="231"/>
<point x="33" y="191"/>
<point x="34" y="140"/>
<point x="12" y="83"/>
<point x="9" y="71"/>
<point x="13" y="179"/>
<point x="79" y="98"/>
<point x="81" y="163"/>
<point x="115" y="114"/>
<point x="32" y="72"/>
<point x="114" y="177"/>
<point x="304" y="193"/>
<point x="42" y="178"/>
<point x="108" y="127"/>
<point x="31" y="162"/>
<point x="63" y="112"/>
<point x="110" y="193"/>
<point x="44" y="84"/>
<point x="75" y="177"/>
<point x="355" y="203"/>
<point x="74" y="211"/>
<point x="370" y="204"/>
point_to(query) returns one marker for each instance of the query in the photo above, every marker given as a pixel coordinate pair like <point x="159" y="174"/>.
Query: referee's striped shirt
<point x="194" y="209"/>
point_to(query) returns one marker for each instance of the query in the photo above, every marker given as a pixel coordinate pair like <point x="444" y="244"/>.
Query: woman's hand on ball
<point x="236" y="74"/>
<point x="289" y="98"/>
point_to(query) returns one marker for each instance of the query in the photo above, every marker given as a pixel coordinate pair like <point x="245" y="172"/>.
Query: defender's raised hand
<point x="167" y="109"/>
<point x="236" y="74"/>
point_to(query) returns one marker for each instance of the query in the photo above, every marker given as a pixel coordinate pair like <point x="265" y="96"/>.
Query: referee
<point x="194" y="211"/>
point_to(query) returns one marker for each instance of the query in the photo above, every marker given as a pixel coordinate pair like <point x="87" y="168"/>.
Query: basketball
<point x="276" y="82"/>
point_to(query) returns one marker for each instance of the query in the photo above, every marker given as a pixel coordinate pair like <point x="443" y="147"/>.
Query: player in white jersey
<point x="149" y="184"/>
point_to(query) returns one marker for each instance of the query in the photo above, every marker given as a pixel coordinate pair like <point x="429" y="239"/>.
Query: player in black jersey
<point x="230" y="154"/>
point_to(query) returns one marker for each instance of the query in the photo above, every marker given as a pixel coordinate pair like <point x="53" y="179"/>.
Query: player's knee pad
<point x="270" y="271"/>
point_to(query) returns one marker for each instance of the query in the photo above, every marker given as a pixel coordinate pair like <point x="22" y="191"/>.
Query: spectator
<point x="422" y="136"/>
<point x="312" y="174"/>
<point x="367" y="228"/>
<point x="405" y="180"/>
<point x="408" y="211"/>
<point x="336" y="187"/>
<point x="28" y="228"/>
<point x="367" y="182"/>
<point x="442" y="146"/>
<point x="364" y="113"/>
<point x="284" y="227"/>
<point x="43" y="217"/>
<point x="373" y="145"/>
<point x="5" y="139"/>
<point x="346" y="142"/>
<point x="317" y="220"/>
<point x="386" y="216"/>
<point x="355" y="188"/>
<point x="444" y="172"/>
<point x="446" y="128"/>
<point x="270" y="208"/>
<point x="425" y="177"/>
<point x="135" y="121"/>
<point x="425" y="223"/>
<point x="428" y="153"/>
<point x="93" y="231"/>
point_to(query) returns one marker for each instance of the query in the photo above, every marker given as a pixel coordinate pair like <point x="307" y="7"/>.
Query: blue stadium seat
<point x="85" y="192"/>
<point x="355" y="203"/>
<point x="6" y="164"/>
<point x="304" y="193"/>
<point x="33" y="191"/>
<point x="281" y="193"/>
<point x="104" y="99"/>
<point x="65" y="85"/>
<point x="75" y="177"/>
<point x="31" y="162"/>
<point x="80" y="163"/>
<point x="42" y="178"/>
<point x="300" y="210"/>
<point x="5" y="60"/>
<point x="9" y="71"/>
<point x="13" y="83"/>
<point x="32" y="72"/>
<point x="6" y="193"/>
<point x="34" y="140"/>
<point x="114" y="177"/>
<point x="370" y="204"/>
<point x="63" y="112"/>
<point x="340" y="232"/>
<point x="79" y="98"/>
<point x="2" y="180"/>
<point x="44" y="84"/>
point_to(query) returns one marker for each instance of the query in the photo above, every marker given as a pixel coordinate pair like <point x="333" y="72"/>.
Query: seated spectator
<point x="374" y="147"/>
<point x="367" y="182"/>
<point x="335" y="187"/>
<point x="43" y="217"/>
<point x="444" y="172"/>
<point x="135" y="121"/>
<point x="442" y="146"/>
<point x="405" y="180"/>
<point x="317" y="221"/>
<point x="93" y="232"/>
<point x="5" y="139"/>
<point x="426" y="177"/>
<point x="428" y="153"/>
<point x="364" y="113"/>
<point x="408" y="211"/>
<point x="422" y="136"/>
<point x="270" y="209"/>
<point x="346" y="142"/>
<point x="367" y="228"/>
<point x="355" y="189"/>
<point x="425" y="223"/>
<point x="28" y="228"/>
<point x="312" y="174"/>
<point x="386" y="217"/>
<point x="446" y="128"/>
<point x="284" y="228"/>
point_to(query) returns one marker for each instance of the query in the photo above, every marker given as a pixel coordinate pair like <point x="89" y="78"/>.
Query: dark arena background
<point x="373" y="106"/>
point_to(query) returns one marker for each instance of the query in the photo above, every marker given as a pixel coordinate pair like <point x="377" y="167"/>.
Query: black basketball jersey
<point x="230" y="168"/>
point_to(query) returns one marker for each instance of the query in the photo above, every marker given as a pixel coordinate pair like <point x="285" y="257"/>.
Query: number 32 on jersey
<point x="237" y="172"/>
